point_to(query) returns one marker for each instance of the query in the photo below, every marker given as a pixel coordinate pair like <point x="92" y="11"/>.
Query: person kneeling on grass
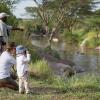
<point x="22" y="59"/>
<point x="6" y="63"/>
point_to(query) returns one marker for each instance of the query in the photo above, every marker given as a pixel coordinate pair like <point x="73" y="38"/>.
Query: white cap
<point x="3" y="14"/>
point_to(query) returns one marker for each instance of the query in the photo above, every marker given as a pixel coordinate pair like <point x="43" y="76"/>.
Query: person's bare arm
<point x="27" y="59"/>
<point x="16" y="28"/>
<point x="13" y="67"/>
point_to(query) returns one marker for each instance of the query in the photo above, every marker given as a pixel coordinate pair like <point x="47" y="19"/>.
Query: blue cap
<point x="20" y="49"/>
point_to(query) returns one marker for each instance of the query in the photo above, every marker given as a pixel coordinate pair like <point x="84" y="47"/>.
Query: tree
<point x="7" y="6"/>
<point x="93" y="27"/>
<point x="59" y="14"/>
<point x="9" y="3"/>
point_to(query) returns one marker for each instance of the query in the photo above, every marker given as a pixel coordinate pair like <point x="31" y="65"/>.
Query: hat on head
<point x="20" y="49"/>
<point x="3" y="14"/>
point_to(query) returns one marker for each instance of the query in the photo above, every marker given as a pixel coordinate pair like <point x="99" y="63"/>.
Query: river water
<point x="88" y="61"/>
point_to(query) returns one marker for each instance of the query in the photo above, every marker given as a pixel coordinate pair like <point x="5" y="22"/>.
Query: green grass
<point x="85" y="87"/>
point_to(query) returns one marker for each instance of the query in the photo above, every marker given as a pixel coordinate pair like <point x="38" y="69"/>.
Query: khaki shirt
<point x="3" y="30"/>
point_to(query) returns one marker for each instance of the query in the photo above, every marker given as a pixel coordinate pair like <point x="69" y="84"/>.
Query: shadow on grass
<point x="50" y="90"/>
<point x="45" y="90"/>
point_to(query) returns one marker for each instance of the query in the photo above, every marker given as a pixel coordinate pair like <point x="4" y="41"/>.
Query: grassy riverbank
<point x="46" y="86"/>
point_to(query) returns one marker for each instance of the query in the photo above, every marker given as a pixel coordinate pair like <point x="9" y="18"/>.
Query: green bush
<point x="93" y="42"/>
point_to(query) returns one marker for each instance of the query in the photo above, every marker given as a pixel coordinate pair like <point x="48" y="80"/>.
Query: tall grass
<point x="20" y="38"/>
<point x="87" y="81"/>
<point x="41" y="69"/>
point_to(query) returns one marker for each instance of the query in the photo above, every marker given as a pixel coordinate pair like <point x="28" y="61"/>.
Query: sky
<point x="20" y="12"/>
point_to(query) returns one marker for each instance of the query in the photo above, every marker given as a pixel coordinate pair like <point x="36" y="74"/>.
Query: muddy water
<point x="88" y="61"/>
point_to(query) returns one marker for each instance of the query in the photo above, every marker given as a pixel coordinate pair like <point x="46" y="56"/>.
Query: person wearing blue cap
<point x="22" y="60"/>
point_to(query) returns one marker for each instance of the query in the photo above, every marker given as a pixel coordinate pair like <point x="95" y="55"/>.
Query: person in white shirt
<point x="5" y="29"/>
<point x="22" y="60"/>
<point x="6" y="63"/>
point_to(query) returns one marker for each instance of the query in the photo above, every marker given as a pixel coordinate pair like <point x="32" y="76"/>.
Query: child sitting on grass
<point x="22" y="59"/>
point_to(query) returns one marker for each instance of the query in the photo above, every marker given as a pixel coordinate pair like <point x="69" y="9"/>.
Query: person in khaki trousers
<point x="22" y="60"/>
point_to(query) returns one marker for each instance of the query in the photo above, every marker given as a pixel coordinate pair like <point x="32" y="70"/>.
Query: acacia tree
<point x="57" y="13"/>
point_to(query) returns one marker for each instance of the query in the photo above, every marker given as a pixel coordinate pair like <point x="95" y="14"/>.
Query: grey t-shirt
<point x="4" y="29"/>
<point x="6" y="62"/>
